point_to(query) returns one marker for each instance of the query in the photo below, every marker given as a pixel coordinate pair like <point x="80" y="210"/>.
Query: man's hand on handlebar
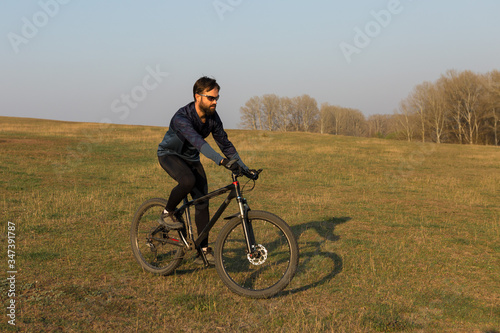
<point x="231" y="165"/>
<point x="252" y="174"/>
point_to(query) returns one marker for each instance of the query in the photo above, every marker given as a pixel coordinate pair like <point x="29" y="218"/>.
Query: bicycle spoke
<point x="268" y="269"/>
<point x="157" y="250"/>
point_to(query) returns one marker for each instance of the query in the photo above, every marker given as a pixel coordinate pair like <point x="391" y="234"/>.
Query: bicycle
<point x="256" y="253"/>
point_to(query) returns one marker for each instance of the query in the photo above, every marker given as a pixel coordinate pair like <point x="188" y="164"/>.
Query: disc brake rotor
<point x="258" y="256"/>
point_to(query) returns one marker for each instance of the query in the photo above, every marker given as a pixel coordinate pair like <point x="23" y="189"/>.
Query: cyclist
<point x="179" y="155"/>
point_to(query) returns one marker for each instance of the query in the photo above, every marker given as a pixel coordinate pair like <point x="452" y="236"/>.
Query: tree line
<point x="459" y="107"/>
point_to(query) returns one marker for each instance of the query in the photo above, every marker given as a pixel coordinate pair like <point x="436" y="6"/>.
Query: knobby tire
<point x="253" y="278"/>
<point x="154" y="248"/>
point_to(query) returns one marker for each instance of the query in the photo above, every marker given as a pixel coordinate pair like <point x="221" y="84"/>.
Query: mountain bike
<point x="256" y="253"/>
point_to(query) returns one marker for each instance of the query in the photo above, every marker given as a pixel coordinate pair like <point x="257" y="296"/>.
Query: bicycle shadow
<point x="310" y="247"/>
<point x="311" y="237"/>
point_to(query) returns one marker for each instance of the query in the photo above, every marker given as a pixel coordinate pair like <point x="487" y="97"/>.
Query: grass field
<point x="393" y="236"/>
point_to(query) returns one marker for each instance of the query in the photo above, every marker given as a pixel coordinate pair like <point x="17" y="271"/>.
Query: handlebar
<point x="238" y="171"/>
<point x="252" y="174"/>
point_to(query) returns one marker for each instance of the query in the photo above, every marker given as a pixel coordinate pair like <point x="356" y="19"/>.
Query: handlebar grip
<point x="252" y="174"/>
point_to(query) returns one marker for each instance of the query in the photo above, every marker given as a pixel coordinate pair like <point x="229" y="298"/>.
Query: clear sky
<point x="135" y="62"/>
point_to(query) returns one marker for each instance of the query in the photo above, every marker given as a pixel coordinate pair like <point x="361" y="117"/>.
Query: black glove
<point x="231" y="165"/>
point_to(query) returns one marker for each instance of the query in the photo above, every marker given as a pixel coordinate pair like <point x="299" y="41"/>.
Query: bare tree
<point x="294" y="115"/>
<point x="417" y="102"/>
<point x="282" y="120"/>
<point x="461" y="107"/>
<point x="491" y="83"/>
<point x="251" y="114"/>
<point x="342" y="121"/>
<point x="333" y="119"/>
<point x="378" y="125"/>
<point x="437" y="110"/>
<point x="463" y="92"/>
<point x="407" y="120"/>
<point x="357" y="125"/>
<point x="306" y="109"/>
<point x="326" y="118"/>
<point x="273" y="113"/>
<point x="270" y="109"/>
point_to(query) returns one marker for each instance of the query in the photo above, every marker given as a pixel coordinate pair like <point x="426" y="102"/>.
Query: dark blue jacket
<point x="186" y="137"/>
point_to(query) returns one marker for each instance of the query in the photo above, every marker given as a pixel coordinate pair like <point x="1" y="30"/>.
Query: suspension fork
<point x="247" y="224"/>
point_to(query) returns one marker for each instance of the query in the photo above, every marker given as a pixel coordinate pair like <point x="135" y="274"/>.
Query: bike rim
<point x="156" y="247"/>
<point x="257" y="273"/>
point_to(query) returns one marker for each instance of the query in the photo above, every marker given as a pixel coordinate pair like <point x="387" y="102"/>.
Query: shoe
<point x="208" y="254"/>
<point x="169" y="221"/>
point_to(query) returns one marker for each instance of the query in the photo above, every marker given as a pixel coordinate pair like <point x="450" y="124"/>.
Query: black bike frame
<point x="234" y="192"/>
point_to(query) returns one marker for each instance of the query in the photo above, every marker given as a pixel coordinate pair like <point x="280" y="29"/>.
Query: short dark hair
<point x="204" y="84"/>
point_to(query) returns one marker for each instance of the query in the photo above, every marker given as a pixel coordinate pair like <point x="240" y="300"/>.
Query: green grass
<point x="393" y="236"/>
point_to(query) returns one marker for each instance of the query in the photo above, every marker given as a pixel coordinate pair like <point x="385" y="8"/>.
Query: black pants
<point x="191" y="179"/>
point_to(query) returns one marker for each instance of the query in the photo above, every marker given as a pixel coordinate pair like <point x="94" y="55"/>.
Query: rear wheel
<point x="157" y="250"/>
<point x="271" y="266"/>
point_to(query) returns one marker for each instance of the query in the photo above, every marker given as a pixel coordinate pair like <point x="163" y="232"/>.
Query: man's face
<point x="208" y="104"/>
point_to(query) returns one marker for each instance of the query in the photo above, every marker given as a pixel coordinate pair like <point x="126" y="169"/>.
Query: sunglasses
<point x="210" y="98"/>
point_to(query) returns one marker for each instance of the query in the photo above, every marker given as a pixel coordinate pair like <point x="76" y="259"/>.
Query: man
<point x="179" y="155"/>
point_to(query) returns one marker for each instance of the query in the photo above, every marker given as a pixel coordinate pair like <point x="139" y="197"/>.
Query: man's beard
<point x="208" y="110"/>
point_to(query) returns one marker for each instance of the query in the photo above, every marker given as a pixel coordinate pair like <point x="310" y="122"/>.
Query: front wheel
<point x="271" y="266"/>
<point x="155" y="249"/>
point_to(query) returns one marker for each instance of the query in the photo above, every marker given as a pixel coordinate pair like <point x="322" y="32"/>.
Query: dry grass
<point x="394" y="236"/>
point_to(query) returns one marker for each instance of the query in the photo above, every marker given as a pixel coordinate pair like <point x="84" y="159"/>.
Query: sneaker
<point x="208" y="254"/>
<point x="169" y="221"/>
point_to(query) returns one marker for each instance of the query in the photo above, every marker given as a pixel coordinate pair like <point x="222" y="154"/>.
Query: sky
<point x="135" y="62"/>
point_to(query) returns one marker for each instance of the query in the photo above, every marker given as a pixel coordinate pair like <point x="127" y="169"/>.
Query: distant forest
<point x="460" y="107"/>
